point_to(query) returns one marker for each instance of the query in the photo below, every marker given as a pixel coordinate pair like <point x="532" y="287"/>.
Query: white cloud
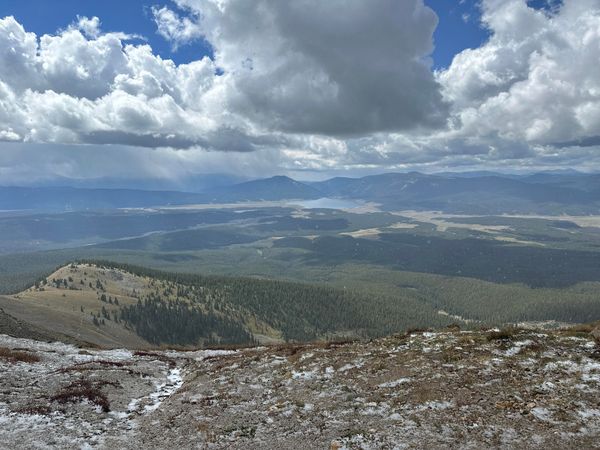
<point x="18" y="56"/>
<point x="89" y="27"/>
<point x="82" y="86"/>
<point x="176" y="29"/>
<point x="535" y="80"/>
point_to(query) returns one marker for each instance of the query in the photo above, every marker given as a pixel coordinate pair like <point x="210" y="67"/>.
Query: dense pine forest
<point x="186" y="307"/>
<point x="175" y="322"/>
<point x="343" y="301"/>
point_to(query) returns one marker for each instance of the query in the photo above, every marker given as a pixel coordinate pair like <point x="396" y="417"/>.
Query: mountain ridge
<point x="481" y="194"/>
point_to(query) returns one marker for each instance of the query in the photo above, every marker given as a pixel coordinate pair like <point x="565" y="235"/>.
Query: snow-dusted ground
<point x="134" y="384"/>
<point x="429" y="390"/>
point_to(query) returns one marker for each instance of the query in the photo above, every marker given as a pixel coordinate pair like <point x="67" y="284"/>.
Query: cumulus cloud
<point x="331" y="68"/>
<point x="535" y="80"/>
<point x="339" y="67"/>
<point x="176" y="29"/>
<point x="367" y="72"/>
<point x="83" y="86"/>
<point x="89" y="26"/>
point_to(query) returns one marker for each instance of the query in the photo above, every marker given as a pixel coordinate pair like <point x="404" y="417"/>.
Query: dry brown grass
<point x="417" y="331"/>
<point x="450" y="355"/>
<point x="465" y="340"/>
<point x="82" y="390"/>
<point x="14" y="356"/>
<point x="228" y="346"/>
<point x="505" y="334"/>
<point x="35" y="410"/>
<point x="581" y="330"/>
<point x="158" y="356"/>
<point x="425" y="392"/>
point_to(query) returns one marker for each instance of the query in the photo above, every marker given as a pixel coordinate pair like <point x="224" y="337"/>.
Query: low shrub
<point x="505" y="334"/>
<point x="82" y="390"/>
<point x="18" y="356"/>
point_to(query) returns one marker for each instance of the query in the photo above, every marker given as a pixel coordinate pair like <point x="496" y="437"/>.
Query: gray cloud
<point x="340" y="67"/>
<point x="104" y="137"/>
<point x="590" y="141"/>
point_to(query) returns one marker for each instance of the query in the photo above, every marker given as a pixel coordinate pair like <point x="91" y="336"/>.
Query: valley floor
<point x="421" y="390"/>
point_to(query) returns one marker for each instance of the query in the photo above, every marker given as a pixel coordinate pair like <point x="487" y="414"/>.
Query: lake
<point x="327" y="203"/>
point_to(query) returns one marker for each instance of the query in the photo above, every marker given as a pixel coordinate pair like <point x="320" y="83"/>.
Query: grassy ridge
<point x="300" y="311"/>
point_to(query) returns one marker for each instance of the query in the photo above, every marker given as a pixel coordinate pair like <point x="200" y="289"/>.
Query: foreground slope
<point x="522" y="389"/>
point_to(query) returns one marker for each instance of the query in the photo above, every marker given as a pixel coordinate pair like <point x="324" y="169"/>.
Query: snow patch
<point x="304" y="376"/>
<point x="396" y="383"/>
<point x="542" y="414"/>
<point x="347" y="367"/>
<point x="162" y="392"/>
<point x="518" y="347"/>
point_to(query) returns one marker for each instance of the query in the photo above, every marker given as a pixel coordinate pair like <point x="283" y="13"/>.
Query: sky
<point x="169" y="89"/>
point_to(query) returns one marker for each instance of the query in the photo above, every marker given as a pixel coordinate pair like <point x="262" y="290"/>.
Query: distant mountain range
<point x="485" y="194"/>
<point x="270" y="189"/>
<point x="477" y="193"/>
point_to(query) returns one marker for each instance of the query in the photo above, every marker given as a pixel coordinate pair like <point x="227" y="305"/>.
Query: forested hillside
<point x="182" y="304"/>
<point x="111" y="304"/>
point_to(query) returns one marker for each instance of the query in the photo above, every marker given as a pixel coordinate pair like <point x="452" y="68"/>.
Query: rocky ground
<point x="517" y="389"/>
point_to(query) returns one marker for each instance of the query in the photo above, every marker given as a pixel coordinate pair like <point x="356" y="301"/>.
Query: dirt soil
<point x="527" y="389"/>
